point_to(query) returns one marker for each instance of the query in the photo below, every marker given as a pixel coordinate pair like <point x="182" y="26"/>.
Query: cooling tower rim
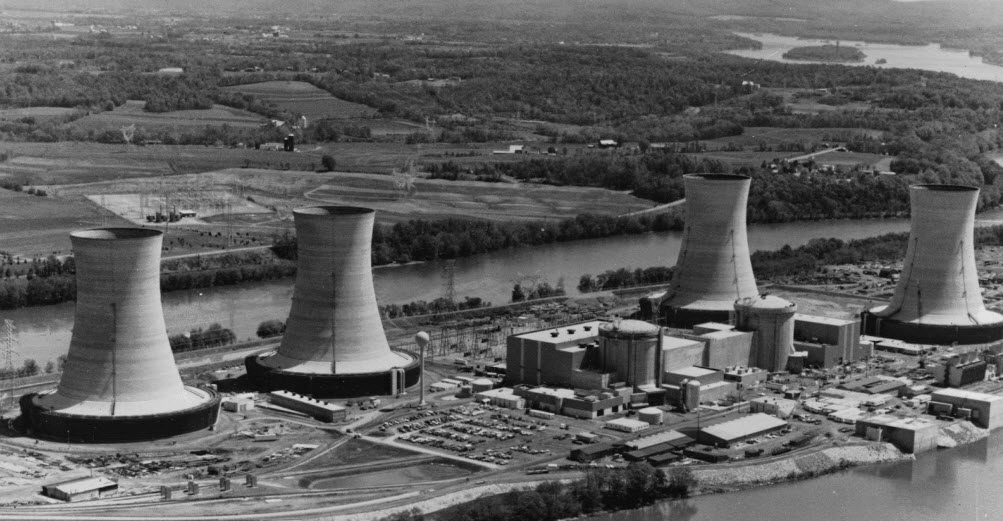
<point x="944" y="188"/>
<point x="332" y="210"/>
<point x="115" y="234"/>
<point x="717" y="177"/>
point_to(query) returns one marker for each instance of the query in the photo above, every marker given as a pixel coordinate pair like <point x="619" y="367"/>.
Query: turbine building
<point x="334" y="344"/>
<point x="119" y="381"/>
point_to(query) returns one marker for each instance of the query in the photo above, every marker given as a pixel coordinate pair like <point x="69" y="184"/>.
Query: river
<point x="44" y="332"/>
<point x="931" y="57"/>
<point x="959" y="484"/>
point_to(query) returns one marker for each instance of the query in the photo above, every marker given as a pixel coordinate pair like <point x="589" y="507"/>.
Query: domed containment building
<point x="713" y="269"/>
<point x="119" y="382"/>
<point x="937" y="299"/>
<point x="631" y="351"/>
<point x="771" y="318"/>
<point x="334" y="344"/>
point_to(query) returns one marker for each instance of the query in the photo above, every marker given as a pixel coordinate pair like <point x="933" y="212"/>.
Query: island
<point x="825" y="53"/>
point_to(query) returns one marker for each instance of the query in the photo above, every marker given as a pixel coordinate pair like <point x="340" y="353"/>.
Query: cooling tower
<point x="334" y="344"/>
<point x="937" y="299"/>
<point x="713" y="269"/>
<point x="771" y="319"/>
<point x="119" y="381"/>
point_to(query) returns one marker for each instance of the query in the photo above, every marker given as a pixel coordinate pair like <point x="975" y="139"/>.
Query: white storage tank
<point x="651" y="415"/>
<point x="480" y="385"/>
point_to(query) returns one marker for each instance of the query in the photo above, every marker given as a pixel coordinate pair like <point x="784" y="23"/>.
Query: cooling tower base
<point x="686" y="318"/>
<point x="58" y="426"/>
<point x="266" y="379"/>
<point x="929" y="334"/>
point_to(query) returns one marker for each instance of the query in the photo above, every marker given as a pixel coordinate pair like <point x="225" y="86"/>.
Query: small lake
<point x="930" y="57"/>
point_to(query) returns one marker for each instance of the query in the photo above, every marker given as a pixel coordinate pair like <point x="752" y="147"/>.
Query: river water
<point x="959" y="484"/>
<point x="931" y="57"/>
<point x="44" y="332"/>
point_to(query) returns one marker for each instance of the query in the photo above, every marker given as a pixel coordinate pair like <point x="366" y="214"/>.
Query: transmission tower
<point x="449" y="280"/>
<point x="10" y="344"/>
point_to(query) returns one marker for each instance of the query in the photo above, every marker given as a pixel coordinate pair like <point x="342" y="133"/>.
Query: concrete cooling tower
<point x="334" y="344"/>
<point x="713" y="269"/>
<point x="119" y="381"/>
<point x="937" y="299"/>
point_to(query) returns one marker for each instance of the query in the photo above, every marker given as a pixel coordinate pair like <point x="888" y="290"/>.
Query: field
<point x="494" y="201"/>
<point x="753" y="136"/>
<point x="37" y="113"/>
<point x="38" y="226"/>
<point x="132" y="113"/>
<point x="302" y="98"/>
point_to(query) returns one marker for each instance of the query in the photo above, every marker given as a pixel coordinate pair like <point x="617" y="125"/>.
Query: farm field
<point x="132" y="113"/>
<point x="493" y="201"/>
<point x="37" y="226"/>
<point x="303" y="98"/>
<point x="753" y="136"/>
<point x="38" y="113"/>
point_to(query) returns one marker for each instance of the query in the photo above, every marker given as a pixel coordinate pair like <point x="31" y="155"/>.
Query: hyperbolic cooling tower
<point x="334" y="344"/>
<point x="937" y="299"/>
<point x="713" y="269"/>
<point x="119" y="381"/>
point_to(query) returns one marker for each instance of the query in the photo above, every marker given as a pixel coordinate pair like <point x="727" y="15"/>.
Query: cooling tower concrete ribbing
<point x="937" y="299"/>
<point x="334" y="343"/>
<point x="713" y="269"/>
<point x="119" y="381"/>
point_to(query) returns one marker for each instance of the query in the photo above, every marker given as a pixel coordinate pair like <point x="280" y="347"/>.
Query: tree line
<point x="601" y="489"/>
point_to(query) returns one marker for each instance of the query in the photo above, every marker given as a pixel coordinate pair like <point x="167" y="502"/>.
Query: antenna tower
<point x="10" y="344"/>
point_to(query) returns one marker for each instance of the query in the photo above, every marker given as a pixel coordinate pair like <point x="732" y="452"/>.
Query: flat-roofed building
<point x="502" y="397"/>
<point x="80" y="489"/>
<point x="741" y="429"/>
<point x="532" y="357"/>
<point x="911" y="435"/>
<point x="779" y="407"/>
<point x="317" y="408"/>
<point x="670" y="436"/>
<point x="626" y="425"/>
<point x="843" y="334"/>
<point x="985" y="410"/>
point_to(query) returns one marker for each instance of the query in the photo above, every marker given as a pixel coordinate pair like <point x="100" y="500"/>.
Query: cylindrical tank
<point x="937" y="299"/>
<point x="650" y="415"/>
<point x="771" y="319"/>
<point x="480" y="385"/>
<point x="119" y="365"/>
<point x="629" y="348"/>
<point x="713" y="269"/>
<point x="691" y="395"/>
<point x="334" y="326"/>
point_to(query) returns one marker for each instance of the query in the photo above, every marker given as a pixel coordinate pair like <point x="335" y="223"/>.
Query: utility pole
<point x="9" y="347"/>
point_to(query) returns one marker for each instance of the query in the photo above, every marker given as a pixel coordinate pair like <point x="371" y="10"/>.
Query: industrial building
<point x="582" y="404"/>
<point x="626" y="425"/>
<point x="334" y="344"/>
<point x="937" y="299"/>
<point x="984" y="410"/>
<point x="959" y="370"/>
<point x="502" y="397"/>
<point x="81" y="489"/>
<point x="318" y="409"/>
<point x="741" y="429"/>
<point x="779" y="407"/>
<point x="772" y="320"/>
<point x="713" y="269"/>
<point x="555" y="356"/>
<point x="910" y="435"/>
<point x="119" y="381"/>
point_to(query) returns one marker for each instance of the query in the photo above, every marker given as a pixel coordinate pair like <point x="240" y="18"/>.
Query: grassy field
<point x="37" y="226"/>
<point x="38" y="113"/>
<point x="303" y="98"/>
<point x="494" y="201"/>
<point x="132" y="113"/>
<point x="753" y="136"/>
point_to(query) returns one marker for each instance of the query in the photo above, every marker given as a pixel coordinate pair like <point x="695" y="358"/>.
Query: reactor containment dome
<point x="334" y="344"/>
<point x="937" y="299"/>
<point x="713" y="269"/>
<point x="119" y="381"/>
